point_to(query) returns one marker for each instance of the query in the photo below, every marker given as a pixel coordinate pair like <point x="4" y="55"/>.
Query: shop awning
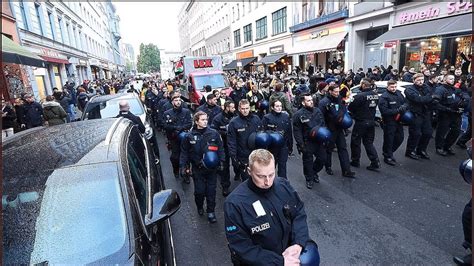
<point x="319" y="45"/>
<point x="54" y="60"/>
<point x="14" y="53"/>
<point x="270" y="59"/>
<point x="231" y="66"/>
<point x="438" y="27"/>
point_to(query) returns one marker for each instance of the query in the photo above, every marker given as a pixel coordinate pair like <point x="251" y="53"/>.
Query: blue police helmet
<point x="346" y="121"/>
<point x="310" y="255"/>
<point x="182" y="135"/>
<point x="276" y="139"/>
<point x="259" y="140"/>
<point x="469" y="151"/>
<point x="407" y="118"/>
<point x="263" y="105"/>
<point x="320" y="134"/>
<point x="210" y="160"/>
<point x="465" y="169"/>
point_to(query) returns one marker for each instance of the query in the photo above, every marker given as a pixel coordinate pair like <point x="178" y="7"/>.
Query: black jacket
<point x="177" y="120"/>
<point x="451" y="98"/>
<point x="32" y="114"/>
<point x="135" y="119"/>
<point x="196" y="144"/>
<point x="9" y="120"/>
<point x="333" y="110"/>
<point x="419" y="99"/>
<point x="389" y="102"/>
<point x="279" y="122"/>
<point x="303" y="121"/>
<point x="261" y="239"/>
<point x="364" y="105"/>
<point x="237" y="95"/>
<point x="211" y="111"/>
<point x="220" y="123"/>
<point x="238" y="133"/>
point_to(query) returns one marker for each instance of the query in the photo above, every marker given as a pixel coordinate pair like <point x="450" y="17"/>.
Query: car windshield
<point x="214" y="80"/>
<point x="110" y="108"/>
<point x="73" y="214"/>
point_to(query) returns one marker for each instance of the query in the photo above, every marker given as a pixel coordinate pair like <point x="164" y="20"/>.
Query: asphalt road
<point x="408" y="214"/>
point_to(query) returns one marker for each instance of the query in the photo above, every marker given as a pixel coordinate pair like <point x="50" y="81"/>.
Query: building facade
<point x="69" y="36"/>
<point x="129" y="58"/>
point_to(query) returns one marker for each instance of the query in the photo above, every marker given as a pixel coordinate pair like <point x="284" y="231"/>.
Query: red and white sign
<point x="390" y="44"/>
<point x="202" y="63"/>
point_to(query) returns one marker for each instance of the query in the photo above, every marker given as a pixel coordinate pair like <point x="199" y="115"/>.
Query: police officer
<point x="125" y="112"/>
<point x="152" y="99"/>
<point x="392" y="105"/>
<point x="163" y="105"/>
<point x="333" y="109"/>
<point x="265" y="220"/>
<point x="177" y="120"/>
<point x="304" y="120"/>
<point x="220" y="123"/>
<point x="203" y="149"/>
<point x="239" y="130"/>
<point x="278" y="122"/>
<point x="210" y="107"/>
<point x="451" y="105"/>
<point x="419" y="101"/>
<point x="363" y="109"/>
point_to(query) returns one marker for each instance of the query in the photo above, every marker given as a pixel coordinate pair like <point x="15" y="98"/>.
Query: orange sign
<point x="244" y="54"/>
<point x="415" y="57"/>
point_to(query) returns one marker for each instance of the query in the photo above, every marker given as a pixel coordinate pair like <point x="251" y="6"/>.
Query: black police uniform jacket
<point x="451" y="99"/>
<point x="135" y="119"/>
<point x="177" y="120"/>
<point x="281" y="123"/>
<point x="303" y="121"/>
<point x="389" y="102"/>
<point x="238" y="133"/>
<point x="220" y="123"/>
<point x="260" y="239"/>
<point x="364" y="105"/>
<point x="419" y="99"/>
<point x="211" y="111"/>
<point x="333" y="110"/>
<point x="196" y="144"/>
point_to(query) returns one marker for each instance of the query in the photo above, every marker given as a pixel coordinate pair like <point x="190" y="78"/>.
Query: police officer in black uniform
<point x="419" y="101"/>
<point x="304" y="120"/>
<point x="279" y="122"/>
<point x="199" y="141"/>
<point x="220" y="123"/>
<point x="239" y="130"/>
<point x="125" y="112"/>
<point x="162" y="107"/>
<point x="333" y="109"/>
<point x="451" y="105"/>
<point x="363" y="109"/>
<point x="265" y="220"/>
<point x="210" y="107"/>
<point x="392" y="105"/>
<point x="177" y="120"/>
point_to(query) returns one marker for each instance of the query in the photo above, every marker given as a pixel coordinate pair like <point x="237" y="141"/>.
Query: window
<point x="304" y="10"/>
<point x="38" y="16"/>
<point x="238" y="12"/>
<point x="23" y="15"/>
<point x="237" y="38"/>
<point x="233" y="14"/>
<point x="51" y="24"/>
<point x="261" y="28"/>
<point x="321" y="8"/>
<point x="248" y="33"/>
<point x="329" y="7"/>
<point x="61" y="28"/>
<point x="279" y="21"/>
<point x="68" y="29"/>
<point x="138" y="172"/>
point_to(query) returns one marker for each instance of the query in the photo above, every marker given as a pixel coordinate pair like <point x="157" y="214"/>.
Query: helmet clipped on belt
<point x="310" y="255"/>
<point x="210" y="159"/>
<point x="259" y="140"/>
<point x="182" y="136"/>
<point x="320" y="134"/>
<point x="346" y="121"/>
<point x="276" y="139"/>
<point x="263" y="105"/>
<point x="406" y="118"/>
<point x="465" y="169"/>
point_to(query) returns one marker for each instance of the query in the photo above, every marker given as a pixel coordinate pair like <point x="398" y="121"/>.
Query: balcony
<point x="338" y="15"/>
<point x="367" y="7"/>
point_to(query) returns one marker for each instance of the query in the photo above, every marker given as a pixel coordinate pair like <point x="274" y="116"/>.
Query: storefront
<point x="319" y="41"/>
<point x="244" y="61"/>
<point x="275" y="60"/>
<point x="95" y="68"/>
<point x="430" y="34"/>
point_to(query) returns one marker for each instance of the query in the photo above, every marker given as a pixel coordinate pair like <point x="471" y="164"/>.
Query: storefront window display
<point x="463" y="46"/>
<point x="423" y="52"/>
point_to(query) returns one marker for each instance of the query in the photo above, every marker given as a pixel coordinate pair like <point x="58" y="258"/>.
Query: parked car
<point x="381" y="87"/>
<point x="85" y="192"/>
<point x="106" y="106"/>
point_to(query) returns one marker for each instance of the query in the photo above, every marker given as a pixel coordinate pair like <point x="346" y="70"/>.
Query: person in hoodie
<point x="53" y="113"/>
<point x="279" y="122"/>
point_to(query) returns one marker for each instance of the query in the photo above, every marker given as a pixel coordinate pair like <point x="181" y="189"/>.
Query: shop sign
<point x="414" y="57"/>
<point x="94" y="62"/>
<point x="277" y="49"/>
<point x="390" y="44"/>
<point x="244" y="54"/>
<point x="82" y="62"/>
<point x="51" y="53"/>
<point x="320" y="33"/>
<point x="434" y="11"/>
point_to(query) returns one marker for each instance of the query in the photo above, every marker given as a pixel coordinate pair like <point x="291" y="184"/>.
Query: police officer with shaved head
<point x="265" y="220"/>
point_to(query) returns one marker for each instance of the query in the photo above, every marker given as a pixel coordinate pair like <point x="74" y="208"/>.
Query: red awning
<point x="55" y="60"/>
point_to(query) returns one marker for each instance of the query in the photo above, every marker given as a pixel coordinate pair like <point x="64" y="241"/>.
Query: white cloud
<point x="149" y="22"/>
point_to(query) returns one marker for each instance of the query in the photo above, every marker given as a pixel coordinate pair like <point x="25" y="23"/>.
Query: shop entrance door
<point x="373" y="58"/>
<point x="41" y="87"/>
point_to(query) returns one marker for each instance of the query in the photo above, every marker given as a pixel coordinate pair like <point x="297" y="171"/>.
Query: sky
<point x="149" y="22"/>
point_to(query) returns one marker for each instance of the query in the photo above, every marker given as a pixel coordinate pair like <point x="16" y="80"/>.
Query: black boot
<point x="464" y="261"/>
<point x="374" y="166"/>
<point x="211" y="217"/>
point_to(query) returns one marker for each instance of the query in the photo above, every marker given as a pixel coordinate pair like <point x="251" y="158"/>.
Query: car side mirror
<point x="165" y="204"/>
